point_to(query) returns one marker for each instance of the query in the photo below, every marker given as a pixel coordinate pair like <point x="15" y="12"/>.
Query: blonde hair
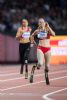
<point x="25" y="20"/>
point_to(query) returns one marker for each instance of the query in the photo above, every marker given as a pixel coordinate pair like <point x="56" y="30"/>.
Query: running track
<point x="14" y="86"/>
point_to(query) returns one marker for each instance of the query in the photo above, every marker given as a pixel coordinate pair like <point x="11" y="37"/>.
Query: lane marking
<point x="26" y="94"/>
<point x="45" y="97"/>
<point x="9" y="74"/>
<point x="32" y="83"/>
<point x="34" y="76"/>
<point x="20" y="94"/>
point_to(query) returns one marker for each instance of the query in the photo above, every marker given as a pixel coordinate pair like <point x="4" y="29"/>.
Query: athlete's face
<point x="24" y="23"/>
<point x="41" y="22"/>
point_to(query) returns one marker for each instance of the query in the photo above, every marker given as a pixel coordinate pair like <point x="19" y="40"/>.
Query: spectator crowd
<point x="13" y="11"/>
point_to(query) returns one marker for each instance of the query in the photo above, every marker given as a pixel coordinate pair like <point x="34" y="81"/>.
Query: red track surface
<point x="14" y="86"/>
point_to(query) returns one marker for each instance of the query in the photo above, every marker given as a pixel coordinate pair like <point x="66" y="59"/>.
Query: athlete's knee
<point x="40" y="62"/>
<point x="46" y="68"/>
<point x="26" y="61"/>
<point x="34" y="67"/>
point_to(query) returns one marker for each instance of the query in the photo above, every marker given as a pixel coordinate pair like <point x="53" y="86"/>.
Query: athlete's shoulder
<point x="20" y="28"/>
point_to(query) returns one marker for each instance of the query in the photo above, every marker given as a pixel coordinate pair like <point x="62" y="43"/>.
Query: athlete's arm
<point x="50" y="29"/>
<point x="32" y="36"/>
<point x="18" y="34"/>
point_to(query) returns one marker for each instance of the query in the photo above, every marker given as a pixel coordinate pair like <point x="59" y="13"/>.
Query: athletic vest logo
<point x="26" y="35"/>
<point x="42" y="34"/>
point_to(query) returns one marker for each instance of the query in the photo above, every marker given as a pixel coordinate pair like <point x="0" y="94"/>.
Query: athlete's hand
<point x="31" y="39"/>
<point x="47" y="25"/>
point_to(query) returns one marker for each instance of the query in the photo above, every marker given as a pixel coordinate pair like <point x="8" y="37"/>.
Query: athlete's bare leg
<point x="47" y="64"/>
<point x="40" y="57"/>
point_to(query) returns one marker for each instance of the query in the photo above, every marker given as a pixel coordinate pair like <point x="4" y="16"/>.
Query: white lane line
<point x="34" y="75"/>
<point x="9" y="74"/>
<point x="1" y="72"/>
<point x="21" y="86"/>
<point x="17" y="78"/>
<point x="45" y="97"/>
<point x="32" y="83"/>
<point x="20" y="94"/>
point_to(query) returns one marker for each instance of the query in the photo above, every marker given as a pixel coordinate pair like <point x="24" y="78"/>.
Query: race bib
<point x="42" y="34"/>
<point x="26" y="35"/>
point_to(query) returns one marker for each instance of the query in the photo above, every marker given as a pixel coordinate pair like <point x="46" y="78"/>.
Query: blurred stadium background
<point x="11" y="14"/>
